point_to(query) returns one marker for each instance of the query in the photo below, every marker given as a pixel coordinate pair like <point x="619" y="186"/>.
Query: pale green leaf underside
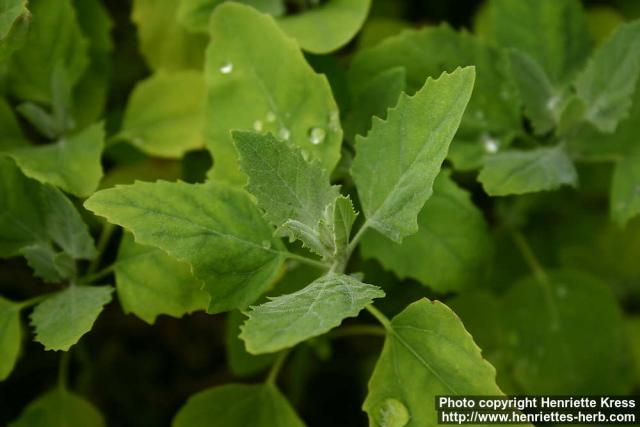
<point x="327" y="27"/>
<point x="625" y="189"/>
<point x="451" y="249"/>
<point x="287" y="320"/>
<point x="10" y="336"/>
<point x="398" y="160"/>
<point x="151" y="283"/>
<point x="72" y="163"/>
<point x="194" y="14"/>
<point x="63" y="318"/>
<point x="519" y="172"/>
<point x="164" y="115"/>
<point x="59" y="408"/>
<point x="273" y="90"/>
<point x="215" y="228"/>
<point x="427" y="353"/>
<point x="232" y="405"/>
<point x="607" y="83"/>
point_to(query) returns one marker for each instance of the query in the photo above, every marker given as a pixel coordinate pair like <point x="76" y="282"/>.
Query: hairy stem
<point x="358" y="330"/>
<point x="63" y="370"/>
<point x="276" y="367"/>
<point x="103" y="241"/>
<point x="98" y="275"/>
<point x="33" y="301"/>
<point x="380" y="317"/>
<point x="308" y="261"/>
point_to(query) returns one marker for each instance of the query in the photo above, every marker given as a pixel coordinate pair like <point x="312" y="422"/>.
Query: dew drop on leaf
<point x="257" y="125"/>
<point x="490" y="144"/>
<point x="266" y="244"/>
<point x="305" y="155"/>
<point x="284" y="134"/>
<point x="271" y="117"/>
<point x="392" y="413"/>
<point x="334" y="121"/>
<point x="552" y="103"/>
<point x="317" y="135"/>
<point x="226" y="68"/>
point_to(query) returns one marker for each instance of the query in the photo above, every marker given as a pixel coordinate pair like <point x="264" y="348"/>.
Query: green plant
<point x="321" y="186"/>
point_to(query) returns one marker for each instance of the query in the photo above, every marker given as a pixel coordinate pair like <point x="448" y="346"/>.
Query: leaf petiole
<point x="380" y="317"/>
<point x="276" y="367"/>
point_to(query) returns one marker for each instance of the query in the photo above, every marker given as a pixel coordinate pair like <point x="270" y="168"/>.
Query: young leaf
<point x="567" y="336"/>
<point x="54" y="39"/>
<point x="238" y="405"/>
<point x="286" y="320"/>
<point x="164" y="115"/>
<point x="274" y="90"/>
<point x="293" y="192"/>
<point x="625" y="189"/>
<point x="553" y="33"/>
<point x="10" y="336"/>
<point x="150" y="283"/>
<point x="72" y="163"/>
<point x="48" y="264"/>
<point x="194" y="14"/>
<point x="519" y="172"/>
<point x="326" y="27"/>
<point x="241" y="363"/>
<point x="59" y="408"/>
<point x="453" y="242"/>
<point x="427" y="353"/>
<point x="164" y="44"/>
<point x="63" y="318"/>
<point x="215" y="228"/>
<point x="607" y="83"/>
<point x="398" y="160"/>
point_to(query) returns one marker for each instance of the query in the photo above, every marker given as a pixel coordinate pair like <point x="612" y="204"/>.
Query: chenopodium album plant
<point x="268" y="208"/>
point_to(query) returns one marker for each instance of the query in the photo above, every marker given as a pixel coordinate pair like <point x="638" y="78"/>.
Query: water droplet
<point x="305" y="155"/>
<point x="266" y="244"/>
<point x="392" y="413"/>
<point x="552" y="103"/>
<point x="490" y="144"/>
<point x="257" y="125"/>
<point x="317" y="135"/>
<point x="284" y="133"/>
<point x="226" y="68"/>
<point x="561" y="291"/>
<point x="271" y="117"/>
<point x="334" y="121"/>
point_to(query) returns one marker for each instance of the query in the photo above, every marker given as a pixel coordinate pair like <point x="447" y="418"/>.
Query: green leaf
<point x="452" y="241"/>
<point x="164" y="43"/>
<point x="607" y="83"/>
<point x="519" y="172"/>
<point x="10" y="133"/>
<point x="293" y="192"/>
<point x="553" y="33"/>
<point x="63" y="318"/>
<point x="47" y="263"/>
<point x="194" y="14"/>
<point x="326" y="27"/>
<point x="287" y="320"/>
<point x="60" y="408"/>
<point x="398" y="160"/>
<point x="215" y="228"/>
<point x="427" y="353"/>
<point x="625" y="189"/>
<point x="54" y="39"/>
<point x="164" y="115"/>
<point x="150" y="283"/>
<point x="10" y="336"/>
<point x="568" y="336"/>
<point x="538" y="95"/>
<point x="72" y="163"/>
<point x="260" y="405"/>
<point x="10" y="10"/>
<point x="246" y="58"/>
<point x="241" y="363"/>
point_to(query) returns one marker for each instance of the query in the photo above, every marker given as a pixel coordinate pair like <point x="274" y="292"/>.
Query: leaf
<point x="450" y="251"/>
<point x="519" y="172"/>
<point x="398" y="160"/>
<point x="194" y="14"/>
<point x="287" y="320"/>
<point x="47" y="263"/>
<point x="232" y="405"/>
<point x="10" y="336"/>
<point x="59" y="408"/>
<point x="54" y="39"/>
<point x="150" y="283"/>
<point x="247" y="59"/>
<point x="63" y="318"/>
<point x="10" y="10"/>
<point x="215" y="228"/>
<point x="538" y="95"/>
<point x="241" y="363"/>
<point x="293" y="192"/>
<point x="625" y="189"/>
<point x="607" y="83"/>
<point x="327" y="27"/>
<point x="10" y="133"/>
<point x="553" y="33"/>
<point x="72" y="163"/>
<point x="427" y="353"/>
<point x="164" y="44"/>
<point x="567" y="336"/>
<point x="164" y="115"/>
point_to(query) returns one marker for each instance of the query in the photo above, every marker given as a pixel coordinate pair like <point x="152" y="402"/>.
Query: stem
<point x="98" y="275"/>
<point x="380" y="317"/>
<point x="308" y="261"/>
<point x="358" y="330"/>
<point x="33" y="301"/>
<point x="103" y="241"/>
<point x="276" y="367"/>
<point x="63" y="370"/>
<point x="356" y="239"/>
